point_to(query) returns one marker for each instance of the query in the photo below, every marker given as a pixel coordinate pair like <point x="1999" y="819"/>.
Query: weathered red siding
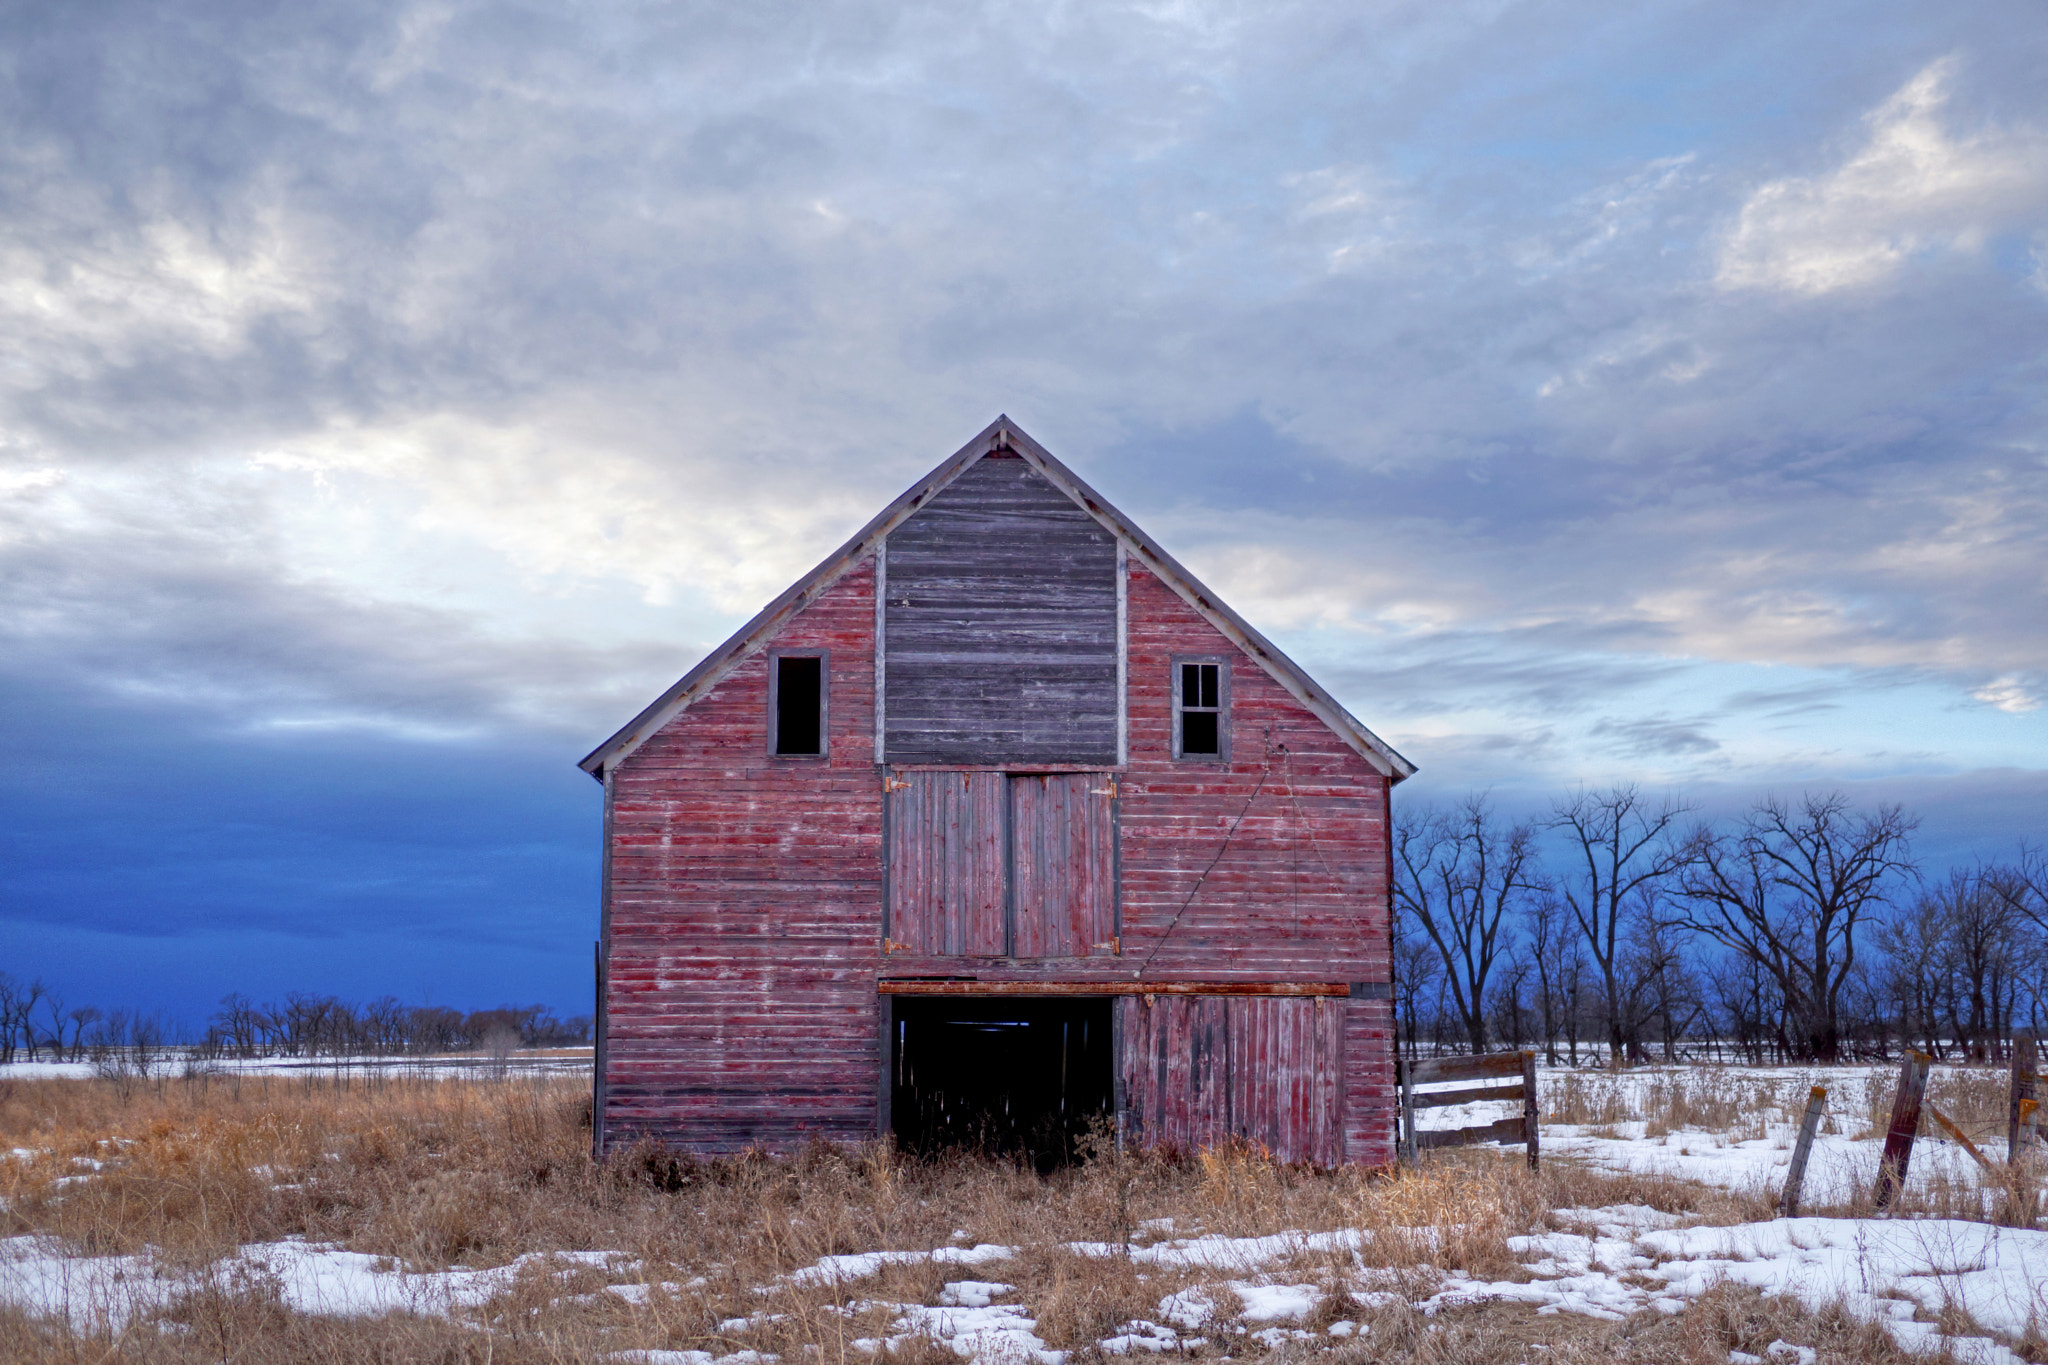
<point x="1196" y="1070"/>
<point x="745" y="911"/>
<point x="1063" y="864"/>
<point x="1272" y="867"/>
<point x="745" y="919"/>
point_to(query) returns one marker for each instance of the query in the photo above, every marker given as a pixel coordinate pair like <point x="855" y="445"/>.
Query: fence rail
<point x="1521" y="1128"/>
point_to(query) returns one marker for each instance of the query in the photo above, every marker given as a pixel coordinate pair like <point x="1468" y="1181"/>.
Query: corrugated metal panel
<point x="1001" y="626"/>
<point x="1063" y="864"/>
<point x="948" y="833"/>
<point x="1199" y="1070"/>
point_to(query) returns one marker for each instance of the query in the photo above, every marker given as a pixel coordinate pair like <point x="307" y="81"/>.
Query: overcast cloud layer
<point x="393" y="398"/>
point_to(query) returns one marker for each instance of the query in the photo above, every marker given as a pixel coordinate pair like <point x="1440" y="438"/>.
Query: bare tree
<point x="1915" y="970"/>
<point x="1623" y="855"/>
<point x="81" y="1018"/>
<point x="1790" y="888"/>
<point x="1553" y="952"/>
<point x="1982" y="945"/>
<point x="1457" y="874"/>
<point x="17" y="1015"/>
<point x="239" y="1022"/>
<point x="1415" y="976"/>
<point x="2023" y="885"/>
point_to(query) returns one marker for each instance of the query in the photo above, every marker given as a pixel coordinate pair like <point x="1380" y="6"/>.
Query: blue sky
<point x="393" y="398"/>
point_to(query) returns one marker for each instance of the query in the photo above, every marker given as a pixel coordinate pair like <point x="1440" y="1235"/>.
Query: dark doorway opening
<point x="1006" y="1076"/>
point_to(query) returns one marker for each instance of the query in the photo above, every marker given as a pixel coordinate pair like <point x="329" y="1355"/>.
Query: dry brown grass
<point x="1725" y="1319"/>
<point x="433" y="1174"/>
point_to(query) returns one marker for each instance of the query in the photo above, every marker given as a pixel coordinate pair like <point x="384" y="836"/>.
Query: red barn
<point x="996" y="827"/>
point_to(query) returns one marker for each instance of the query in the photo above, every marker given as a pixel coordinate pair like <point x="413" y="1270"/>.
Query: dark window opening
<point x="1024" y="1078"/>
<point x="1200" y="701"/>
<point x="799" y="705"/>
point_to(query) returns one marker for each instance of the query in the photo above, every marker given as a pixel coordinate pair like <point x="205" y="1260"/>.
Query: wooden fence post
<point x="1531" y="1111"/>
<point x="1795" y="1173"/>
<point x="1406" y="1136"/>
<point x="2023" y="1063"/>
<point x="1898" y="1139"/>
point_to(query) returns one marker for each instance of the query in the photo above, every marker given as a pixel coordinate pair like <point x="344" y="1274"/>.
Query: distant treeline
<point x="37" y="1025"/>
<point x="1620" y="926"/>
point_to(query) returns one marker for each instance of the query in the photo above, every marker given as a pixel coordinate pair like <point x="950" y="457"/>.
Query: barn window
<point x="1201" y="707"/>
<point x="796" y="704"/>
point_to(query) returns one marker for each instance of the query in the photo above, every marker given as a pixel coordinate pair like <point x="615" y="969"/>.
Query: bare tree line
<point x="1623" y="926"/>
<point x="36" y="1025"/>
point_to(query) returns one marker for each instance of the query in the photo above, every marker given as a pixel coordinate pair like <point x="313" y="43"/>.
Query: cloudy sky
<point x="395" y="397"/>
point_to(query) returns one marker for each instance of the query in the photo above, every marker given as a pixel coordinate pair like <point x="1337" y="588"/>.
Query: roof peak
<point x="1004" y="434"/>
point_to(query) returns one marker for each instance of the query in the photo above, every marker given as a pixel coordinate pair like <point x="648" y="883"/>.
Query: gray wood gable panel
<point x="1000" y="623"/>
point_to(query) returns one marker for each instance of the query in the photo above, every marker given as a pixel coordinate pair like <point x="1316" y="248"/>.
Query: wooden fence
<point x="1520" y="1067"/>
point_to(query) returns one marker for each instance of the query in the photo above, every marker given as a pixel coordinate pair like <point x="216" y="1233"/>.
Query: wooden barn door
<point x="948" y="841"/>
<point x="984" y="864"/>
<point x="1197" y="1070"/>
<point x="1063" y="864"/>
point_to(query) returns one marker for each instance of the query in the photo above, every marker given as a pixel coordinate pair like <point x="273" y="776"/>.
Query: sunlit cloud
<point x="1914" y="186"/>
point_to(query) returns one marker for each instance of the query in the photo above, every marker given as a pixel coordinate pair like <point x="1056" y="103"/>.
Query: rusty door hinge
<point x="1109" y="791"/>
<point x="890" y="945"/>
<point x="1115" y="945"/>
<point x="890" y="784"/>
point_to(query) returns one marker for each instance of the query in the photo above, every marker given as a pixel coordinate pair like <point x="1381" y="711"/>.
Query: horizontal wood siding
<point x="1199" y="1070"/>
<point x="1063" y="864"/>
<point x="1000" y="634"/>
<point x="1269" y="867"/>
<point x="746" y="910"/>
<point x="947" y="838"/>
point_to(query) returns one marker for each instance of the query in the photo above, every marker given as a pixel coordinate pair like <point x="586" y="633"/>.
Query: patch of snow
<point x="1273" y="1338"/>
<point x="637" y="1294"/>
<point x="37" y="1276"/>
<point x="1880" y="1269"/>
<point x="972" y="1293"/>
<point x="1214" y="1252"/>
<point x="1189" y="1308"/>
<point x="998" y="1332"/>
<point x="864" y="1264"/>
<point x="1140" y="1335"/>
<point x="1276" y="1302"/>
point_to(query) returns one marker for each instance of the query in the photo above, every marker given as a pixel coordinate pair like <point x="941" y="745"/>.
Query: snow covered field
<point x="1605" y="1263"/>
<point x="1653" y="1207"/>
<point x="1742" y="1121"/>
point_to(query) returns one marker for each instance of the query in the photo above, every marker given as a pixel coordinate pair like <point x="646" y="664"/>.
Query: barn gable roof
<point x="1001" y="434"/>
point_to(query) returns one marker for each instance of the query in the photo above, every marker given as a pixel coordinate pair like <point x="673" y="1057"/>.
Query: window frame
<point x="824" y="658"/>
<point x="1222" y="711"/>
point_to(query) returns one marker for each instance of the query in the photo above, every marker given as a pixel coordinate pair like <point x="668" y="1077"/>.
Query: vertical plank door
<point x="948" y="833"/>
<point x="1063" y="864"/>
<point x="1197" y="1071"/>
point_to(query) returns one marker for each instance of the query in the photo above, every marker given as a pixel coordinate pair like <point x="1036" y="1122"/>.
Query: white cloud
<point x="1914" y="186"/>
<point x="2008" y="694"/>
